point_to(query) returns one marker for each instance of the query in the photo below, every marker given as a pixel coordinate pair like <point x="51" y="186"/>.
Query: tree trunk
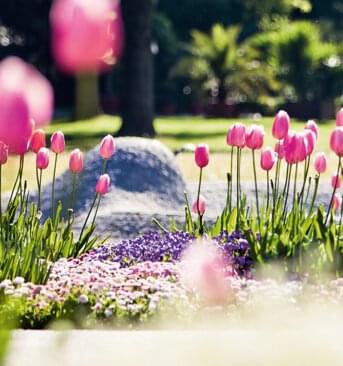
<point x="87" y="96"/>
<point x="137" y="104"/>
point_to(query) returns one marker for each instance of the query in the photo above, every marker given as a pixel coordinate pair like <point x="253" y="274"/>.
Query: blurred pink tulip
<point x="15" y="124"/>
<point x="203" y="270"/>
<point x="76" y="161"/>
<point x="42" y="158"/>
<point x="87" y="36"/>
<point x="107" y="147"/>
<point x="201" y="208"/>
<point x="336" y="181"/>
<point x="3" y="153"/>
<point x="337" y="202"/>
<point x="202" y="155"/>
<point x="16" y="76"/>
<point x="339" y="117"/>
<point x="268" y="158"/>
<point x="336" y="141"/>
<point x="236" y="135"/>
<point x="312" y="125"/>
<point x="103" y="184"/>
<point x="320" y="163"/>
<point x="57" y="142"/>
<point x="311" y="140"/>
<point x="255" y="137"/>
<point x="37" y="140"/>
<point x="279" y="149"/>
<point x="281" y="125"/>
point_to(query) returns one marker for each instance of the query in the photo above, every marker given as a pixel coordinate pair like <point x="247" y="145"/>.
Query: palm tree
<point x="226" y="67"/>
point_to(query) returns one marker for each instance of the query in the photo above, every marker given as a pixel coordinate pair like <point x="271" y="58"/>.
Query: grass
<point x="175" y="132"/>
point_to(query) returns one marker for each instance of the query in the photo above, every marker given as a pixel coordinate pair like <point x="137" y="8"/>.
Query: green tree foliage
<point x="227" y="68"/>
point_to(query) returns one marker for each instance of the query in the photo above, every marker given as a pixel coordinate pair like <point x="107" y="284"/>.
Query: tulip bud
<point x="76" y="161"/>
<point x="336" y="181"/>
<point x="279" y="149"/>
<point x="336" y="141"/>
<point x="255" y="137"/>
<point x="103" y="184"/>
<point x="201" y="207"/>
<point x="57" y="142"/>
<point x="281" y="125"/>
<point x="37" y="140"/>
<point x="268" y="158"/>
<point x="320" y="163"/>
<point x="201" y="155"/>
<point x="337" y="202"/>
<point x="311" y="140"/>
<point x="42" y="158"/>
<point x="339" y="117"/>
<point x="312" y="125"/>
<point x="107" y="147"/>
<point x="3" y="153"/>
<point x="236" y="135"/>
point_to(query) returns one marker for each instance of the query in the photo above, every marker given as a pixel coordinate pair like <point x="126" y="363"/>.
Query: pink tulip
<point x="339" y="117"/>
<point x="255" y="137"/>
<point x="15" y="124"/>
<point x="312" y="125"/>
<point x="279" y="149"/>
<point x="103" y="184"/>
<point x="3" y="153"/>
<point x="201" y="208"/>
<point x="311" y="140"/>
<point x="201" y="155"/>
<point x="16" y="76"/>
<point x="337" y="202"/>
<point x="336" y="181"/>
<point x="290" y="147"/>
<point x="320" y="163"/>
<point x="302" y="148"/>
<point x="336" y="141"/>
<point x="87" y="36"/>
<point x="57" y="142"/>
<point x="268" y="158"/>
<point x="236" y="135"/>
<point x="42" y="158"/>
<point x="281" y="125"/>
<point x="76" y="162"/>
<point x="107" y="147"/>
<point x="37" y="140"/>
<point x="204" y="271"/>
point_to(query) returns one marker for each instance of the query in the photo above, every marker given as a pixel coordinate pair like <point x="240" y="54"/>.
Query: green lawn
<point x="174" y="132"/>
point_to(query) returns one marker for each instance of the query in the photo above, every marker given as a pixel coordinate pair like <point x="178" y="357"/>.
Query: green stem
<point x="295" y="184"/>
<point x="231" y="172"/>
<point x="198" y="204"/>
<point x="53" y="189"/>
<point x="268" y="190"/>
<point x="14" y="186"/>
<point x="306" y="170"/>
<point x="333" y="191"/>
<point x="104" y="166"/>
<point x="288" y="179"/>
<point x="256" y="189"/>
<point x="277" y="176"/>
<point x="20" y="187"/>
<point x="314" y="193"/>
<point x="340" y="226"/>
<point x="1" y="226"/>
<point x="72" y="197"/>
<point x="87" y="218"/>
<point x="96" y="210"/>
<point x="39" y="188"/>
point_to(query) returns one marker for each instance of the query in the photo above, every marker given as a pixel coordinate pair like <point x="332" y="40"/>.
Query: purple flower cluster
<point x="236" y="251"/>
<point x="152" y="246"/>
<point x="169" y="247"/>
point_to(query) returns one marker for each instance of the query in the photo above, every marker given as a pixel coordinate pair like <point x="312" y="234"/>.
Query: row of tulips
<point x="51" y="238"/>
<point x="275" y="232"/>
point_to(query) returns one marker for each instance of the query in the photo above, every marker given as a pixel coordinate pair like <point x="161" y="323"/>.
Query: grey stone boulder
<point x="145" y="180"/>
